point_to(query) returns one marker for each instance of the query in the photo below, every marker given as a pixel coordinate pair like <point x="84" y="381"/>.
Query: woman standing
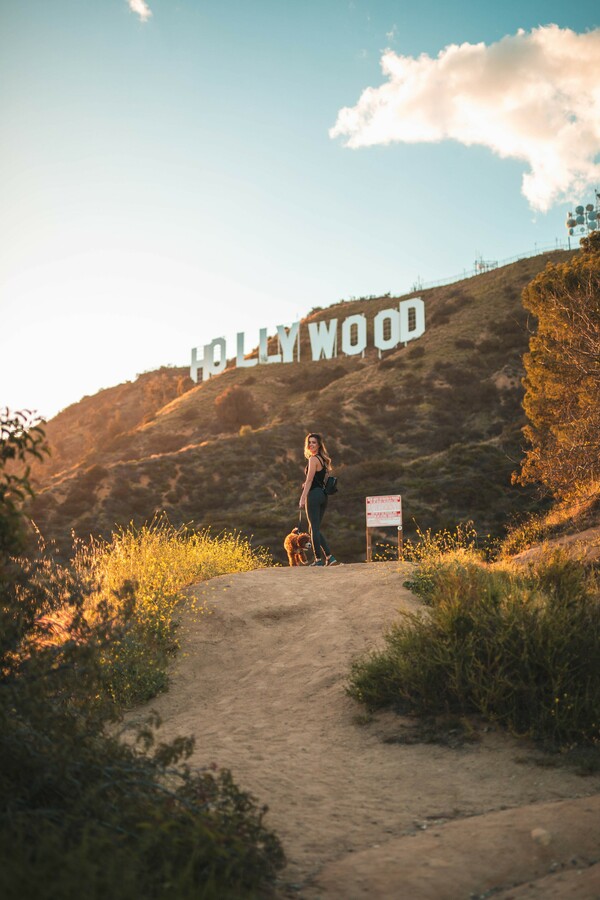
<point x="314" y="497"/>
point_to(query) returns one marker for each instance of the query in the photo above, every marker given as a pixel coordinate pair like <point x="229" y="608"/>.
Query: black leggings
<point x="316" y="504"/>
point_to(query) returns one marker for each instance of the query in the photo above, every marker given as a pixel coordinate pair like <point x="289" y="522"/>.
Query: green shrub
<point x="84" y="813"/>
<point x="521" y="649"/>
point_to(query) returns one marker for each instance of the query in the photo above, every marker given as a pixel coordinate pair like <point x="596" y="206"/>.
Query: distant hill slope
<point x="84" y="430"/>
<point x="438" y="421"/>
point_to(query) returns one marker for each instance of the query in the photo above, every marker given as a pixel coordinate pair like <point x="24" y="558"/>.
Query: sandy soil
<point x="260" y="683"/>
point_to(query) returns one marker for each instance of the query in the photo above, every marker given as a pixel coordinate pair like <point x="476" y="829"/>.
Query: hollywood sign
<point x="390" y="328"/>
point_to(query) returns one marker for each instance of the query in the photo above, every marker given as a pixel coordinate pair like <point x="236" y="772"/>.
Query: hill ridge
<point x="438" y="421"/>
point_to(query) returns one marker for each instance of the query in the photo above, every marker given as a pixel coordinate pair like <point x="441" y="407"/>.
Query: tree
<point x="562" y="381"/>
<point x="21" y="437"/>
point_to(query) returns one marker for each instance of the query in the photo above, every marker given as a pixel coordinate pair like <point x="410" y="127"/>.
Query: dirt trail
<point x="260" y="683"/>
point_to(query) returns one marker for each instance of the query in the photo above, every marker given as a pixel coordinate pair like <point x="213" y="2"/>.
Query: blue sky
<point x="169" y="181"/>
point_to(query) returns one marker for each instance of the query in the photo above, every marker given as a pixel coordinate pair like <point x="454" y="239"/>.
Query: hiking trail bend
<point x="260" y="682"/>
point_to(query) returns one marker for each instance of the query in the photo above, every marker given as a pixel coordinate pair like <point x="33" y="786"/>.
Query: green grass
<point x="518" y="648"/>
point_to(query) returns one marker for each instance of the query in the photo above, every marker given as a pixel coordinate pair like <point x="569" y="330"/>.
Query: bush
<point x="84" y="813"/>
<point x="520" y="649"/>
<point x="81" y="812"/>
<point x="159" y="561"/>
<point x="235" y="406"/>
<point x="430" y="549"/>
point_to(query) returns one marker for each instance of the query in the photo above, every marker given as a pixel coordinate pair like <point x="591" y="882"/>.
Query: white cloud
<point x="141" y="8"/>
<point x="532" y="96"/>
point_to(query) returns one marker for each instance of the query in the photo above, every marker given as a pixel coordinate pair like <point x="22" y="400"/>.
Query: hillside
<point x="369" y="806"/>
<point x="437" y="420"/>
<point x="82" y="431"/>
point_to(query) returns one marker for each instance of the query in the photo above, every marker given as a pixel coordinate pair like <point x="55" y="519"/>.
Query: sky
<point x="173" y="171"/>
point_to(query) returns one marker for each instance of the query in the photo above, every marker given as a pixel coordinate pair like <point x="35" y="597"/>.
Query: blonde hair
<point x="322" y="451"/>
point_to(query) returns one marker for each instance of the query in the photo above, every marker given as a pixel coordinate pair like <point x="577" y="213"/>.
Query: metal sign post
<point x="382" y="512"/>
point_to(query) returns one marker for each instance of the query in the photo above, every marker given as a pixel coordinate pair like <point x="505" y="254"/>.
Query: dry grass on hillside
<point x="438" y="421"/>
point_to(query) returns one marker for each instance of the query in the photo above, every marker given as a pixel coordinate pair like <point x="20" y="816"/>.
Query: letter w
<point x="323" y="339"/>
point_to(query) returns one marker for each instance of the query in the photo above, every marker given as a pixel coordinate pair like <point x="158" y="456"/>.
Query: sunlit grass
<point x="575" y="513"/>
<point x="150" y="567"/>
<point x="430" y="549"/>
<point x="430" y="546"/>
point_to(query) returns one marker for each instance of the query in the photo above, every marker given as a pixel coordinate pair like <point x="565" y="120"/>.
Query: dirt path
<point x="260" y="683"/>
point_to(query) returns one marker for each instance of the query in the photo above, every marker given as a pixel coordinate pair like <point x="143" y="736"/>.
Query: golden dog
<point x="296" y="544"/>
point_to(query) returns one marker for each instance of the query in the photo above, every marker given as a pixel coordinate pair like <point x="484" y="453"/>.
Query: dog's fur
<point x="296" y="544"/>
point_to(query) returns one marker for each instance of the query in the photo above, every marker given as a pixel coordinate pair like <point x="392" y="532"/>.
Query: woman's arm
<point x="312" y="468"/>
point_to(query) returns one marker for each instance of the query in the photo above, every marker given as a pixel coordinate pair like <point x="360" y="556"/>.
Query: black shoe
<point x="318" y="562"/>
<point x="332" y="561"/>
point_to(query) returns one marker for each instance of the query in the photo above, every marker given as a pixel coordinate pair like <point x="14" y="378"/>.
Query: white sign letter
<point x="196" y="365"/>
<point x="412" y="319"/>
<point x="287" y="340"/>
<point x="323" y="339"/>
<point x="348" y="347"/>
<point x="263" y="353"/>
<point x="207" y="363"/>
<point x="239" y="359"/>
<point x="393" y="317"/>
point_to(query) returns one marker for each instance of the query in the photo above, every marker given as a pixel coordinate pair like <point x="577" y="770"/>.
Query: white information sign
<point x="382" y="511"/>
